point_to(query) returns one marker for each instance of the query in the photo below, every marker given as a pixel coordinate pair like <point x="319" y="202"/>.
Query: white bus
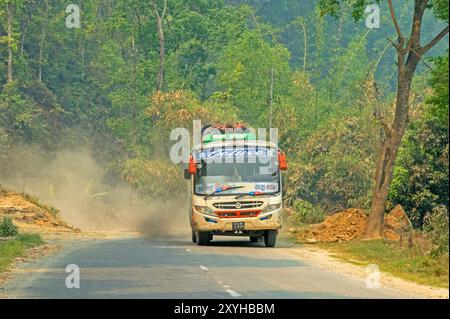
<point x="236" y="187"/>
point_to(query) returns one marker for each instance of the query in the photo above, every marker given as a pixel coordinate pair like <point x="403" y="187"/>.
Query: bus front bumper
<point x="207" y="223"/>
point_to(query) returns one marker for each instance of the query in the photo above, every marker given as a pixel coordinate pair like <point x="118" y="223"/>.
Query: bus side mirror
<point x="282" y="163"/>
<point x="192" y="168"/>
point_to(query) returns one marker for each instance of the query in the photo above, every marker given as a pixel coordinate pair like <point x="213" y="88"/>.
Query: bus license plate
<point x="239" y="226"/>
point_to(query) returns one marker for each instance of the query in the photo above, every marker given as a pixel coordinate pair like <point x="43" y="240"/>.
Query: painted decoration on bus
<point x="212" y="153"/>
<point x="248" y="187"/>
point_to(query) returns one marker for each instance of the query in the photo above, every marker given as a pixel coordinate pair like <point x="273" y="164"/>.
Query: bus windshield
<point x="251" y="174"/>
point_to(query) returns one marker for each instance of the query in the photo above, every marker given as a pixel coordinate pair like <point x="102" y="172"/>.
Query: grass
<point x="16" y="247"/>
<point x="403" y="262"/>
<point x="34" y="200"/>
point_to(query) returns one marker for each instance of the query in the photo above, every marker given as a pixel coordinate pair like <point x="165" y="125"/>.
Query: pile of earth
<point x="350" y="224"/>
<point x="23" y="208"/>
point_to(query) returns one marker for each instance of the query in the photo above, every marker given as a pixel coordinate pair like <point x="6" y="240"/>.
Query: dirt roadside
<point x="349" y="225"/>
<point x="324" y="259"/>
<point x="34" y="217"/>
<point x="56" y="241"/>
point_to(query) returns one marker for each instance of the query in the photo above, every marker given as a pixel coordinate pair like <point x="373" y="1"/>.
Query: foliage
<point x="440" y="8"/>
<point x="245" y="71"/>
<point x="306" y="213"/>
<point x="436" y="224"/>
<point x="330" y="178"/>
<point x="333" y="7"/>
<point x="155" y="179"/>
<point x="7" y="228"/>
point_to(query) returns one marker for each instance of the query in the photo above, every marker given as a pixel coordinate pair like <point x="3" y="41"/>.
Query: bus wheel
<point x="254" y="239"/>
<point x="194" y="237"/>
<point x="203" y="238"/>
<point x="270" y="238"/>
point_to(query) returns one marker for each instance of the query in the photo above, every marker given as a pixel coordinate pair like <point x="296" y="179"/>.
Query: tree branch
<point x="433" y="42"/>
<point x="421" y="59"/>
<point x="163" y="14"/>
<point x="155" y="9"/>
<point x="394" y="19"/>
<point x="395" y="45"/>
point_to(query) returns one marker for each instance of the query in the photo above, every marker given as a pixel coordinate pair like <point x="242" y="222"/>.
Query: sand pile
<point x="351" y="224"/>
<point x="24" y="208"/>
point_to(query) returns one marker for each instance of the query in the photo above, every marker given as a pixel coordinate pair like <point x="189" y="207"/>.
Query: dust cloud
<point x="88" y="198"/>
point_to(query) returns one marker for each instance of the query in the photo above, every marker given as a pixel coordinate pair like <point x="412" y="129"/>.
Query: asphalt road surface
<point x="175" y="268"/>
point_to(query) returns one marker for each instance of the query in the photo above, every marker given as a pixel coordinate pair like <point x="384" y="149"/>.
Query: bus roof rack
<point x="225" y="128"/>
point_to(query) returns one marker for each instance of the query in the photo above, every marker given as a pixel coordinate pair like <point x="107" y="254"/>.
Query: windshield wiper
<point x="220" y="190"/>
<point x="253" y="194"/>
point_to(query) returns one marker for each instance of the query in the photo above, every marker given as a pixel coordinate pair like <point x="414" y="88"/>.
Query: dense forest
<point x="134" y="70"/>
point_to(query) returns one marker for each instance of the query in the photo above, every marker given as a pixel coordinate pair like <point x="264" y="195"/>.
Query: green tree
<point x="409" y="53"/>
<point x="244" y="76"/>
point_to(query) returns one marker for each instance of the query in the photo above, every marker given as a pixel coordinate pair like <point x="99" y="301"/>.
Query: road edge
<point x="322" y="258"/>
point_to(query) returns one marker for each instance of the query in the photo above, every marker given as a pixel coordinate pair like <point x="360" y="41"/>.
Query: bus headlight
<point x="271" y="208"/>
<point x="205" y="210"/>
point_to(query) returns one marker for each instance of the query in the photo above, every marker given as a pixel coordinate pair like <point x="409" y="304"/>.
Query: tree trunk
<point x="135" y="93"/>
<point x="162" y="56"/>
<point x="24" y="29"/>
<point x="386" y="160"/>
<point x="162" y="48"/>
<point x="41" y="54"/>
<point x="409" y="54"/>
<point x="9" y="8"/>
<point x="42" y="43"/>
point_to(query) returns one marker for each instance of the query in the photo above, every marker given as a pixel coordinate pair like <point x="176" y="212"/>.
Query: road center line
<point x="233" y="293"/>
<point x="203" y="267"/>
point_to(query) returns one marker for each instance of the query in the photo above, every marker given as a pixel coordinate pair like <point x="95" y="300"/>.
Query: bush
<point x="436" y="224"/>
<point x="335" y="167"/>
<point x="7" y="228"/>
<point x="155" y="179"/>
<point x="306" y="213"/>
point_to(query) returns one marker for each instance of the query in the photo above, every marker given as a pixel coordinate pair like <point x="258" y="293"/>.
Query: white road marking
<point x="188" y="250"/>
<point x="203" y="267"/>
<point x="226" y="286"/>
<point x="233" y="293"/>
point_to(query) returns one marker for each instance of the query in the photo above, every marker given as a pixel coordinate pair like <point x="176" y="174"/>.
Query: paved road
<point x="176" y="268"/>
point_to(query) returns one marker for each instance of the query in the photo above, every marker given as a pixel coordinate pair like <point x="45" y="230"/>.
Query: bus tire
<point x="270" y="238"/>
<point x="203" y="238"/>
<point x="254" y="239"/>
